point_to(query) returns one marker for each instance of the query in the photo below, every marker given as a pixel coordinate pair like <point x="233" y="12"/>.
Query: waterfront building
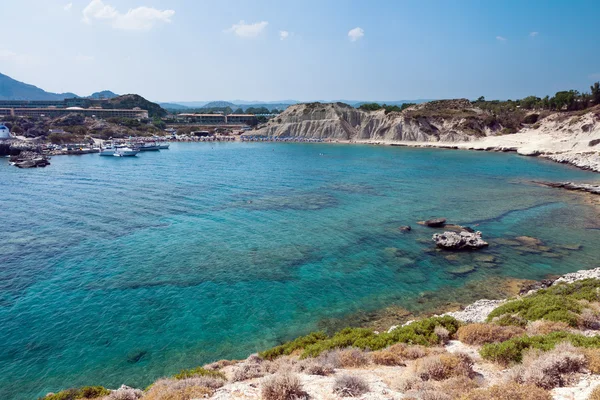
<point x="218" y="119"/>
<point x="53" y="112"/>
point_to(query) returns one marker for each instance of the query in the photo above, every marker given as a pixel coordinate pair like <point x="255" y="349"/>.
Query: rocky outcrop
<point x="434" y="223"/>
<point x="459" y="240"/>
<point x="444" y="120"/>
<point x="28" y="159"/>
<point x="579" y="187"/>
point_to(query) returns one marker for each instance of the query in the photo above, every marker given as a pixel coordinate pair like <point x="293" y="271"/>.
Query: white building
<point x="4" y="132"/>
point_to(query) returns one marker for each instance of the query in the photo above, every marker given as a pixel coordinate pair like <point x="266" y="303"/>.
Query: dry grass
<point x="183" y="389"/>
<point x="509" y="391"/>
<point x="350" y="386"/>
<point x="217" y="365"/>
<point x="452" y="388"/>
<point x="590" y="319"/>
<point x="592" y="358"/>
<point x="479" y="334"/>
<point x="443" y="366"/>
<point x="282" y="387"/>
<point x="314" y="367"/>
<point x="386" y="357"/>
<point x="347" y="358"/>
<point x="595" y="395"/>
<point x="413" y="352"/>
<point x="252" y="367"/>
<point x="543" y="327"/>
<point x="442" y="333"/>
<point x="549" y="369"/>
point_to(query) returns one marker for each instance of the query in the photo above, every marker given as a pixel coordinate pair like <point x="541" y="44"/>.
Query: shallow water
<point x="122" y="270"/>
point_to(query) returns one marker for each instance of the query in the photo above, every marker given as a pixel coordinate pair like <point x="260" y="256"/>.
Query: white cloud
<point x="283" y="35"/>
<point x="355" y="34"/>
<point x="68" y="7"/>
<point x="136" y="19"/>
<point x="15" y="58"/>
<point x="243" y="29"/>
<point x="533" y="34"/>
<point x="501" y="38"/>
<point x="83" y="58"/>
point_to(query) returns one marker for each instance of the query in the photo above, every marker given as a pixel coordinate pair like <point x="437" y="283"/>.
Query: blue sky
<point x="185" y="50"/>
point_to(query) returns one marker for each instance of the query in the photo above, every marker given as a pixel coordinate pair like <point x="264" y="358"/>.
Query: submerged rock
<point x="405" y="228"/>
<point x="462" y="270"/>
<point x="434" y="223"/>
<point x="459" y="241"/>
<point x="529" y="241"/>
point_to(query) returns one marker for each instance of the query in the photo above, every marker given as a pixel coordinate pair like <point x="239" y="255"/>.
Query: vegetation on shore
<point x="537" y="337"/>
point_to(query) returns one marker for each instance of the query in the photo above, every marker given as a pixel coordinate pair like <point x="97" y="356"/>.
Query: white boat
<point x="108" y="151"/>
<point x="163" y="146"/>
<point x="125" y="152"/>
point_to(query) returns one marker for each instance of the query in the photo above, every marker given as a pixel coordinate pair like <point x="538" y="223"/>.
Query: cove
<point x="119" y="271"/>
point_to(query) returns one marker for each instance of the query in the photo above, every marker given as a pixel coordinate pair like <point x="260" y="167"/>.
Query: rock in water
<point x="405" y="228"/>
<point x="459" y="241"/>
<point x="434" y="223"/>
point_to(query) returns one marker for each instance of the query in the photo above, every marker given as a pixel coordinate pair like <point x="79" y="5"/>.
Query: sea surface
<point x="122" y="270"/>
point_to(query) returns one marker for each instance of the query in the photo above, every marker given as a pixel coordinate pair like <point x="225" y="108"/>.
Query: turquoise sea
<point x="122" y="270"/>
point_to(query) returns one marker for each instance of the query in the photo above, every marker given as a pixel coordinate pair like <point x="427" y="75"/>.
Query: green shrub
<point x="199" y="371"/>
<point x="419" y="332"/>
<point x="85" y="392"/>
<point x="289" y="347"/>
<point x="559" y="303"/>
<point x="511" y="351"/>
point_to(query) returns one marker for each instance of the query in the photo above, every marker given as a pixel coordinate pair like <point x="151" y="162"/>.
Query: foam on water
<point x="123" y="270"/>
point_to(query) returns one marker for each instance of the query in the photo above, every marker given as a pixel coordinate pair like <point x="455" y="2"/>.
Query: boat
<point x="108" y="150"/>
<point x="163" y="146"/>
<point x="148" y="147"/>
<point x="125" y="152"/>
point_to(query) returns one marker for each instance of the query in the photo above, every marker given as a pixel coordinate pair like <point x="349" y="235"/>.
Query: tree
<point x="238" y="111"/>
<point x="481" y="98"/>
<point x="596" y="92"/>
<point x="369" y="107"/>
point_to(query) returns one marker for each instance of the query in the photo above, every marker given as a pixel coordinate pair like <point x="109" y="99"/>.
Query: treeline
<point x="228" y="110"/>
<point x="387" y="108"/>
<point x="568" y="100"/>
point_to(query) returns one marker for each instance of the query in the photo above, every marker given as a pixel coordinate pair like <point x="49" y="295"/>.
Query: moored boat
<point x="148" y="147"/>
<point x="163" y="146"/>
<point x="125" y="152"/>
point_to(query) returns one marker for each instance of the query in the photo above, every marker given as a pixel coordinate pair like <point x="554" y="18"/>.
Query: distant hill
<point x="219" y="104"/>
<point x="134" y="100"/>
<point x="11" y="89"/>
<point x="173" y="106"/>
<point x="105" y="94"/>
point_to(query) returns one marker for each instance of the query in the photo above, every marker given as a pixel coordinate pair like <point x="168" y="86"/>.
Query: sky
<point x="194" y="50"/>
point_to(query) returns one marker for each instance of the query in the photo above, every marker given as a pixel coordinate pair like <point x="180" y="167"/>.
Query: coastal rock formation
<point x="582" y="187"/>
<point x="28" y="159"/>
<point x="564" y="137"/>
<point x="459" y="241"/>
<point x="443" y="120"/>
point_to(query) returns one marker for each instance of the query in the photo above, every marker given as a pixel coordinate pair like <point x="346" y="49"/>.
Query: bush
<point x="313" y="367"/>
<point x="511" y="351"/>
<point x="595" y="395"/>
<point x="559" y="303"/>
<point x="443" y="366"/>
<point x="592" y="357"/>
<point x="297" y="344"/>
<point x="350" y="386"/>
<point x="549" y="369"/>
<point x="352" y="358"/>
<point x="253" y="367"/>
<point x="282" y="387"/>
<point x="419" y="332"/>
<point x="479" y="334"/>
<point x="220" y="364"/>
<point x="386" y="357"/>
<point x="509" y="391"/>
<point x="85" y="392"/>
<point x="183" y="389"/>
<point x="542" y="327"/>
<point x="411" y="352"/>
<point x="199" y="371"/>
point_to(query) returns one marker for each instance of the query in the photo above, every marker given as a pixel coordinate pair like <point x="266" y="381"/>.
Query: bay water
<point x="122" y="270"/>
